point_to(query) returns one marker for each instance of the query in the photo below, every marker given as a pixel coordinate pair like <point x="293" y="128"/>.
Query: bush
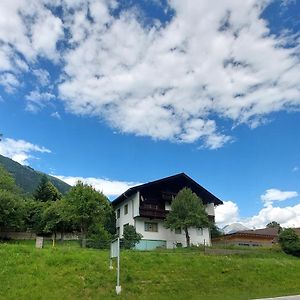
<point x="290" y="242"/>
<point x="98" y="238"/>
<point x="130" y="237"/>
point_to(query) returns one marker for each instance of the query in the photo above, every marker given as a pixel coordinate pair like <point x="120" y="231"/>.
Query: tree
<point x="11" y="202"/>
<point x="46" y="191"/>
<point x="57" y="218"/>
<point x="33" y="215"/>
<point x="289" y="242"/>
<point x="88" y="206"/>
<point x="274" y="224"/>
<point x="130" y="237"/>
<point x="215" y="231"/>
<point x="187" y="211"/>
<point x="7" y="182"/>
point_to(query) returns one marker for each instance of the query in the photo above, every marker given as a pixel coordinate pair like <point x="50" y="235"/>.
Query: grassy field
<point x="69" y="272"/>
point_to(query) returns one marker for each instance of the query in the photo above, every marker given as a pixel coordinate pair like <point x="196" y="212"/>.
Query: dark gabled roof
<point x="179" y="181"/>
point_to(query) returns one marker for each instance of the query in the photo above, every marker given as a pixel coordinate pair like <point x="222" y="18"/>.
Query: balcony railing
<point x="153" y="212"/>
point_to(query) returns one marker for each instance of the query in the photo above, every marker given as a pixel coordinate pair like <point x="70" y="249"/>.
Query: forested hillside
<point x="28" y="178"/>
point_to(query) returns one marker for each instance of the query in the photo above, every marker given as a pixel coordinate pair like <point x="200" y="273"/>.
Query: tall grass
<point x="69" y="272"/>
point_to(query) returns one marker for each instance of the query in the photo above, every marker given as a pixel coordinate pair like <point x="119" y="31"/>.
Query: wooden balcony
<point x="152" y="212"/>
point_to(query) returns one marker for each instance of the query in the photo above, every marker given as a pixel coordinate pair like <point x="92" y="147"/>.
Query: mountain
<point x="27" y="178"/>
<point x="234" y="227"/>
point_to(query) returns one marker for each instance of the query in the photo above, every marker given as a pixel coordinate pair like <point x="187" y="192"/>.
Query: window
<point x="118" y="231"/>
<point x="118" y="213"/>
<point x="126" y="209"/>
<point x="153" y="227"/>
<point x="178" y="231"/>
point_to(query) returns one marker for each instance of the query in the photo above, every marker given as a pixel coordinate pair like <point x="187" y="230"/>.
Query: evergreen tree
<point x="187" y="210"/>
<point x="46" y="191"/>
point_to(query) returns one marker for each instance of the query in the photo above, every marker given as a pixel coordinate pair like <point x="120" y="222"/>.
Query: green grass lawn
<point x="69" y="272"/>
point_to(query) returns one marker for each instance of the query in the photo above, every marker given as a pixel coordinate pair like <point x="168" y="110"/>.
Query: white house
<point x="146" y="206"/>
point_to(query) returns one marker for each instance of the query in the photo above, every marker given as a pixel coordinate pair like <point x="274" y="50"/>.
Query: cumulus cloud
<point x="175" y="80"/>
<point x="110" y="188"/>
<point x="20" y="150"/>
<point x="272" y="195"/>
<point x="227" y="213"/>
<point x="28" y="30"/>
<point x="288" y="216"/>
<point x="168" y="81"/>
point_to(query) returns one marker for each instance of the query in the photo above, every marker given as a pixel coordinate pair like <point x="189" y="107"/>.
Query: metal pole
<point x="118" y="287"/>
<point x="118" y="258"/>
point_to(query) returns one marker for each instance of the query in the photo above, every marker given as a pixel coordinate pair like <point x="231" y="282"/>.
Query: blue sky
<point x="119" y="93"/>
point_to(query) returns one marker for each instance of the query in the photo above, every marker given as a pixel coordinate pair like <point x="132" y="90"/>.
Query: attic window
<point x="118" y="213"/>
<point x="126" y="209"/>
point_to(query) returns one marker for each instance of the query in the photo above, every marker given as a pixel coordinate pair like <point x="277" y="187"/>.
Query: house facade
<point x="146" y="207"/>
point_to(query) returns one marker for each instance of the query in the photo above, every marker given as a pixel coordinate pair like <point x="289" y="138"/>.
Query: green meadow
<point x="70" y="272"/>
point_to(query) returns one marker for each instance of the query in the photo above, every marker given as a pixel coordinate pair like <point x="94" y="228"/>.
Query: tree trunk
<point x="83" y="242"/>
<point x="187" y="236"/>
<point x="83" y="238"/>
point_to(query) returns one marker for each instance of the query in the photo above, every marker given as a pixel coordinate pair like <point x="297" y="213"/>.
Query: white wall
<point x="210" y="209"/>
<point x="170" y="236"/>
<point x="133" y="211"/>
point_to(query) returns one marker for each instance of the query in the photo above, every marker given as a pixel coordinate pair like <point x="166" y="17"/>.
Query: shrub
<point x="130" y="237"/>
<point x="290" y="242"/>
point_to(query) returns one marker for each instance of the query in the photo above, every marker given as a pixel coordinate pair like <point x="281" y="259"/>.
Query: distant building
<point x="257" y="237"/>
<point x="146" y="207"/>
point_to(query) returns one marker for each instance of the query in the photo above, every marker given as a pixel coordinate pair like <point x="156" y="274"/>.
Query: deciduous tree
<point x="187" y="210"/>
<point x="11" y="202"/>
<point x="130" y="237"/>
<point x="88" y="206"/>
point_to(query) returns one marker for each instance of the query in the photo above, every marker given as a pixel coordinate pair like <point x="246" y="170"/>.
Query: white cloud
<point x="272" y="195"/>
<point x="20" y="150"/>
<point x="43" y="76"/>
<point x="37" y="100"/>
<point x="56" y="115"/>
<point x="9" y="82"/>
<point x="169" y="81"/>
<point x="288" y="216"/>
<point x="174" y="81"/>
<point x="28" y="31"/>
<point x="227" y="213"/>
<point x="108" y="187"/>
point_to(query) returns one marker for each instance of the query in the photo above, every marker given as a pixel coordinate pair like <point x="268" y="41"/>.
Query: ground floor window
<point x="151" y="226"/>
